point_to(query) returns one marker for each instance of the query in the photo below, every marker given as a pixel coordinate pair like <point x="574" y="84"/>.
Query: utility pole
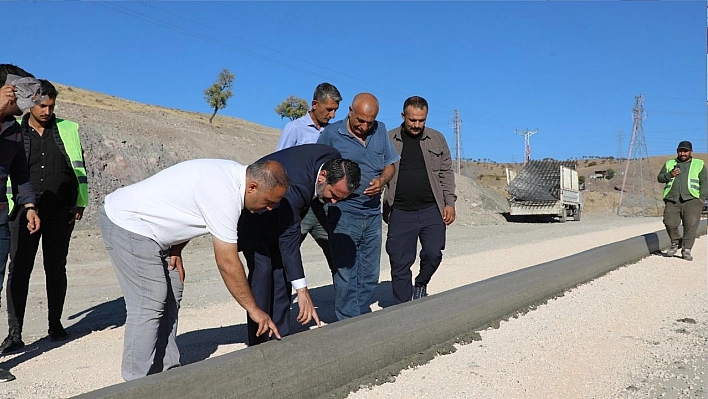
<point x="620" y="147"/>
<point x="638" y="193"/>
<point x="527" y="143"/>
<point x="456" y="124"/>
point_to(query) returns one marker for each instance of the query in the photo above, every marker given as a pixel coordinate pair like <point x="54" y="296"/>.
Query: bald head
<point x="362" y="114"/>
<point x="366" y="102"/>
<point x="266" y="184"/>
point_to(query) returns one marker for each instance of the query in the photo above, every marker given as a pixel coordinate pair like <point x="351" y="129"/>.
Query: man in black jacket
<point x="272" y="246"/>
<point x="18" y="86"/>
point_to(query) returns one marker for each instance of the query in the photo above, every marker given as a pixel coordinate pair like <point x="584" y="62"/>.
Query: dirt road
<point x="211" y="323"/>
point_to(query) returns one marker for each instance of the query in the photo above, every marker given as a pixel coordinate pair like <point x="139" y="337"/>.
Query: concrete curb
<point x="315" y="362"/>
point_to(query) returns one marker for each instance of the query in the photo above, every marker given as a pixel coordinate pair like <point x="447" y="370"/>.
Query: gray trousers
<point x="688" y="213"/>
<point x="152" y="296"/>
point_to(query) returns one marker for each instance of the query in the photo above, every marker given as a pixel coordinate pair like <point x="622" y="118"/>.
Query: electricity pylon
<point x="638" y="195"/>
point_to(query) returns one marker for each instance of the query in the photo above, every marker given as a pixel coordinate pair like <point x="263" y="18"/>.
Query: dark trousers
<point x="271" y="290"/>
<point x="55" y="234"/>
<point x="404" y="230"/>
<point x="310" y="224"/>
<point x="686" y="212"/>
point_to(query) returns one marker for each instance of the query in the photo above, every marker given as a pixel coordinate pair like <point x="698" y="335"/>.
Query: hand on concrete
<point x="307" y="308"/>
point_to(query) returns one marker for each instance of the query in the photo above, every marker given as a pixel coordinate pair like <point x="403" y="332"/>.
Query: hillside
<point x="125" y="141"/>
<point x="601" y="196"/>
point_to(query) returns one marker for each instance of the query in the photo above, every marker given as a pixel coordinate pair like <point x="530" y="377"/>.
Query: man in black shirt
<point x="419" y="201"/>
<point x="58" y="176"/>
<point x="18" y="87"/>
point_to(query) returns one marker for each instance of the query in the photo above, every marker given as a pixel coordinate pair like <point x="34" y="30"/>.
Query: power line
<point x="189" y="32"/>
<point x="290" y="56"/>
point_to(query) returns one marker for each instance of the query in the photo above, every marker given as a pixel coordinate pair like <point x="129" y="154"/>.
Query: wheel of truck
<point x="576" y="213"/>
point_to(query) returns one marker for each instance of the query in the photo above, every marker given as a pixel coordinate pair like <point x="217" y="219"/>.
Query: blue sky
<point x="569" y="69"/>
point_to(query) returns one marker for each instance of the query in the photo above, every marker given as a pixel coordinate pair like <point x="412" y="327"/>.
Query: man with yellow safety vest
<point x="56" y="165"/>
<point x="686" y="187"/>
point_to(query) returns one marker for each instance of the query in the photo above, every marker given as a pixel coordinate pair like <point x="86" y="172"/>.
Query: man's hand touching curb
<point x="307" y="308"/>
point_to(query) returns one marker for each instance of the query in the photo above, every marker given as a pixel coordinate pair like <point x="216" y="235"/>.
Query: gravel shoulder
<point x="638" y="332"/>
<point x="573" y="346"/>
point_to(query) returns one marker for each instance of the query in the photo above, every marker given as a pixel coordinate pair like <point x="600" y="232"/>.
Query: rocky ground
<point x="126" y="142"/>
<point x="621" y="331"/>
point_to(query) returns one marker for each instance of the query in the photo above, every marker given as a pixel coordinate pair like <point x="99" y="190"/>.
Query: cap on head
<point x="685" y="145"/>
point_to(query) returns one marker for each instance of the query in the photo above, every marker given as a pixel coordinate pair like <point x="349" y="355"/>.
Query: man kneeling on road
<point x="146" y="225"/>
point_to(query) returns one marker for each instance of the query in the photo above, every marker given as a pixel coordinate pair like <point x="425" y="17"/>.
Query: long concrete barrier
<point x="316" y="362"/>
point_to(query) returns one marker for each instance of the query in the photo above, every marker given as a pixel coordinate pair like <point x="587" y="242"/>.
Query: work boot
<point x="672" y="249"/>
<point x="686" y="254"/>
<point x="420" y="292"/>
<point x="12" y="343"/>
<point x="6" y="376"/>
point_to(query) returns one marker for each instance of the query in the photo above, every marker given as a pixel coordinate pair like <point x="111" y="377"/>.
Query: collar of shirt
<point x="398" y="135"/>
<point x="307" y="119"/>
<point x="317" y="176"/>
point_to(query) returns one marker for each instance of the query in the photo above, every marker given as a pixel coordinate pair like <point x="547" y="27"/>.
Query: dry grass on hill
<point x="126" y="141"/>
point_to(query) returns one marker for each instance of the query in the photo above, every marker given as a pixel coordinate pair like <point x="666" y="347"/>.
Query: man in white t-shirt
<point x="146" y="225"/>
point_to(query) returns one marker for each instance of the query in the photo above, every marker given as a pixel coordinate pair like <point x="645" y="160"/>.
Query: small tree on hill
<point x="292" y="108"/>
<point x="609" y="174"/>
<point x="219" y="93"/>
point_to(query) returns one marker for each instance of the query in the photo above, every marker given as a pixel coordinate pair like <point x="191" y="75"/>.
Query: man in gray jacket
<point x="419" y="202"/>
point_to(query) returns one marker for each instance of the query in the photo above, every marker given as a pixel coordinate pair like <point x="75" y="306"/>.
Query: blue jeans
<point x="4" y="251"/>
<point x="355" y="244"/>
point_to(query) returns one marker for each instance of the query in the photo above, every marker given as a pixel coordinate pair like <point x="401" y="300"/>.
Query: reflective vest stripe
<point x="69" y="134"/>
<point x="693" y="181"/>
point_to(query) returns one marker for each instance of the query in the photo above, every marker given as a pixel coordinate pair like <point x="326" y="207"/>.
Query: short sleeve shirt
<point x="182" y="202"/>
<point x="372" y="157"/>
<point x="300" y="131"/>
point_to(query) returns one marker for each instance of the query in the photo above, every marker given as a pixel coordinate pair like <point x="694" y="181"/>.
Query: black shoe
<point x="6" y="376"/>
<point x="58" y="333"/>
<point x="11" y="344"/>
<point x="420" y="292"/>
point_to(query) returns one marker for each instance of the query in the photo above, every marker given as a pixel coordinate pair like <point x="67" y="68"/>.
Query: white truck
<point x="545" y="189"/>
